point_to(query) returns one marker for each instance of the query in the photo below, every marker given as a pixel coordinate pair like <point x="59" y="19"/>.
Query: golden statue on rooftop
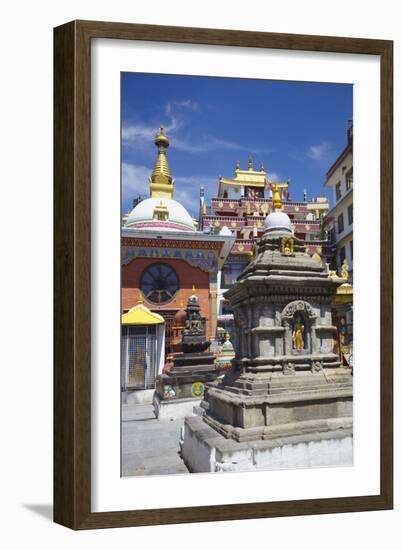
<point x="277" y="204"/>
<point x="344" y="270"/>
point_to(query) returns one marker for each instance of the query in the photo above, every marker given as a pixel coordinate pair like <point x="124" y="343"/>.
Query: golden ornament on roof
<point x="277" y="204"/>
<point x="161" y="181"/>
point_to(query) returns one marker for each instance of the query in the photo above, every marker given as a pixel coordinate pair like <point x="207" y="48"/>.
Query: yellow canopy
<point x="141" y="315"/>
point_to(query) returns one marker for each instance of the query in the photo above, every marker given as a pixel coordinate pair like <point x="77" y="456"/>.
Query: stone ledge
<point x="284" y="397"/>
<point x="204" y="450"/>
<point x="291" y="429"/>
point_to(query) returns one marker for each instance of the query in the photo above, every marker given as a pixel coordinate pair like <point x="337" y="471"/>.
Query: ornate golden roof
<point x="161" y="181"/>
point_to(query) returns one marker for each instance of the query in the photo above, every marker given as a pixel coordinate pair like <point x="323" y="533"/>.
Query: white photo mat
<point x="110" y="492"/>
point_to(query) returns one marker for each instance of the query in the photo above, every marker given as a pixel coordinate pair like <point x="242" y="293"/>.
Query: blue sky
<point x="296" y="129"/>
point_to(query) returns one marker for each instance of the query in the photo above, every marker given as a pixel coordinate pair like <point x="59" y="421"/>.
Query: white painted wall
<point x="26" y="120"/>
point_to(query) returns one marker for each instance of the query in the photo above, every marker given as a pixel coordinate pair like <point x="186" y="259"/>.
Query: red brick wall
<point x="188" y="276"/>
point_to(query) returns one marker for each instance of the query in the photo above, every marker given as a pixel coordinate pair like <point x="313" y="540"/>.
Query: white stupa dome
<point x="278" y="221"/>
<point x="143" y="216"/>
<point x="160" y="212"/>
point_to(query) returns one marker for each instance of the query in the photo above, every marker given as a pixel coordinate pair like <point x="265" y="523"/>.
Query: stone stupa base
<point x="330" y="443"/>
<point x="165" y="409"/>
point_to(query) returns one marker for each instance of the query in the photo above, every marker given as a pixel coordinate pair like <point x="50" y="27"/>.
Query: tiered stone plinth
<point x="180" y="389"/>
<point x="287" y="401"/>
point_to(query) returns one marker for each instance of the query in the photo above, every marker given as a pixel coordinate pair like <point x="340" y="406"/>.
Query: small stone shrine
<point x="287" y="400"/>
<point x="225" y="354"/>
<point x="181" y="386"/>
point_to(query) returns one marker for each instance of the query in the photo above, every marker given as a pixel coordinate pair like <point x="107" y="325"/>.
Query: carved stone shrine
<point x="181" y="386"/>
<point x="287" y="400"/>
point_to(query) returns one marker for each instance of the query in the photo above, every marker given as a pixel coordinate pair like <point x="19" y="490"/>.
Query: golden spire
<point x="140" y="298"/>
<point x="161" y="181"/>
<point x="193" y="289"/>
<point x="250" y="163"/>
<point x="277" y="204"/>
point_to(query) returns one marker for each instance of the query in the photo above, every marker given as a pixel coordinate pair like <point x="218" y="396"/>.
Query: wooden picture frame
<point x="72" y="273"/>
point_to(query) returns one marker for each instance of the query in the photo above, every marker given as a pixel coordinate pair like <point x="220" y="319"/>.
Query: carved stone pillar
<point x="213" y="312"/>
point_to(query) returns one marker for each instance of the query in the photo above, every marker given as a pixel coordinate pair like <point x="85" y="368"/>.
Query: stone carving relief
<point x="298" y="306"/>
<point x="239" y="319"/>
<point x="317" y="366"/>
<point x="288" y="368"/>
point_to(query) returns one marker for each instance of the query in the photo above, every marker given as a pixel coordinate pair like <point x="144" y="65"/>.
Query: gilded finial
<point x="277" y="204"/>
<point x="238" y="165"/>
<point x="250" y="163"/>
<point x="262" y="166"/>
<point x="140" y="298"/>
<point x="161" y="181"/>
<point x="161" y="138"/>
<point x="227" y="336"/>
<point x="193" y="289"/>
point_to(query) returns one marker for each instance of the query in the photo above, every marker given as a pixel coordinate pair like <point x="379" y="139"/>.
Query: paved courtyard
<point x="149" y="446"/>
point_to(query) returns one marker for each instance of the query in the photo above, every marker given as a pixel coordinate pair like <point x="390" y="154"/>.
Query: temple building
<point x="163" y="258"/>
<point x="339" y="220"/>
<point x="242" y="204"/>
<point x="339" y="227"/>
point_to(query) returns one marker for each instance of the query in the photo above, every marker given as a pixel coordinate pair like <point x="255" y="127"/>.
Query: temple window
<point x="350" y="214"/>
<point x="340" y="223"/>
<point x="338" y="190"/>
<point x="159" y="283"/>
<point x="349" y="180"/>
<point x="230" y="273"/>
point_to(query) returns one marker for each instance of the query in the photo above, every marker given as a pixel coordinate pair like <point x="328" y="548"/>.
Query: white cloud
<point x="274" y="176"/>
<point x="184" y="103"/>
<point x="142" y="135"/>
<point x="137" y="132"/>
<point x="135" y="180"/>
<point x="320" y="151"/>
<point x="207" y="143"/>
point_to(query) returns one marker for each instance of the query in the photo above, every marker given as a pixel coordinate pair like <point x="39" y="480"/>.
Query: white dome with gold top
<point x="165" y="214"/>
<point x="161" y="212"/>
<point x="277" y="220"/>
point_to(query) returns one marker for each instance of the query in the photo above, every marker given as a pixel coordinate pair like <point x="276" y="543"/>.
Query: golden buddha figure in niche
<point x="298" y="335"/>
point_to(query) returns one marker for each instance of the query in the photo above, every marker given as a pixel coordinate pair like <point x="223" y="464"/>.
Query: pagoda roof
<point x="141" y="315"/>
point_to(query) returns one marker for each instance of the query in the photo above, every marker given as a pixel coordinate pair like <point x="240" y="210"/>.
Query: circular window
<point x="159" y="283"/>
